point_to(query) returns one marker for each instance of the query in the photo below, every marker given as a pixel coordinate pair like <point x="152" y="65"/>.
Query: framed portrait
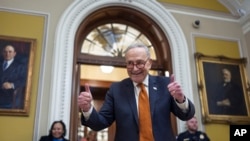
<point x="16" y="65"/>
<point x="223" y="89"/>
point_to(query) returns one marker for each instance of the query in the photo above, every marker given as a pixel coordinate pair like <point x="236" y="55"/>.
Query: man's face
<point x="192" y="125"/>
<point x="9" y="53"/>
<point x="138" y="64"/>
<point x="226" y="75"/>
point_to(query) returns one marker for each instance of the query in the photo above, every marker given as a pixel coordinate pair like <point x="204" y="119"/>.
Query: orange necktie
<point x="145" y="125"/>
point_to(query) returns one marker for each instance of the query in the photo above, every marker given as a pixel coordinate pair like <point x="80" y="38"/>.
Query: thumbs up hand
<point x="84" y="99"/>
<point x="175" y="90"/>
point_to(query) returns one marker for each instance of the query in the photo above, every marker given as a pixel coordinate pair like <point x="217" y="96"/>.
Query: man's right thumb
<point x="87" y="89"/>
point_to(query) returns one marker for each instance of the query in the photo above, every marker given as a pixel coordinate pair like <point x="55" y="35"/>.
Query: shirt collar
<point x="9" y="61"/>
<point x="145" y="82"/>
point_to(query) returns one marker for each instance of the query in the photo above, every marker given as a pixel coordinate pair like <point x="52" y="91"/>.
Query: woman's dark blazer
<point x="48" y="138"/>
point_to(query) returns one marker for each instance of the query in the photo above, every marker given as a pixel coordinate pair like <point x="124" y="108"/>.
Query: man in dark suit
<point x="229" y="97"/>
<point x="12" y="79"/>
<point x="122" y="100"/>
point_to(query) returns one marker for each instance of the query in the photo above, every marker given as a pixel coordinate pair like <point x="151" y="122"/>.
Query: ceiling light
<point x="106" y="69"/>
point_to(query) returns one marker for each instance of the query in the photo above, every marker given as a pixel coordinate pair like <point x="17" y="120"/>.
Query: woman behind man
<point x="92" y="136"/>
<point x="57" y="132"/>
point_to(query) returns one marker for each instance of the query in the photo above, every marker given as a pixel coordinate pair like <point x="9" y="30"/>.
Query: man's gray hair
<point x="138" y="45"/>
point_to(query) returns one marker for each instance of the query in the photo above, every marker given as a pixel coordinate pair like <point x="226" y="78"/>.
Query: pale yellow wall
<point x="205" y="4"/>
<point x="214" y="47"/>
<point x="20" y="128"/>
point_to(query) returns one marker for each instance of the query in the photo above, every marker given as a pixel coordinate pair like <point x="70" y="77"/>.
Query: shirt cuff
<point x="184" y="105"/>
<point x="87" y="114"/>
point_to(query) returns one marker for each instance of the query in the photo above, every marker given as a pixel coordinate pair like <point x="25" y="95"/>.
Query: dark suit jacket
<point x="197" y="136"/>
<point x="120" y="106"/>
<point x="16" y="73"/>
<point x="48" y="138"/>
<point x="234" y="93"/>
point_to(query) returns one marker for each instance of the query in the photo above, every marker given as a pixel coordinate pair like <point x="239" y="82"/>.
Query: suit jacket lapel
<point x="129" y="90"/>
<point x="152" y="88"/>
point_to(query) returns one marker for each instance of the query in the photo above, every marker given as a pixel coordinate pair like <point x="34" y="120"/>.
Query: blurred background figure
<point x="57" y="132"/>
<point x="92" y="136"/>
<point x="192" y="133"/>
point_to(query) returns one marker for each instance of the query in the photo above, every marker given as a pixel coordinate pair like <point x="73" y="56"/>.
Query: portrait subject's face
<point x="226" y="75"/>
<point x="138" y="64"/>
<point x="9" y="52"/>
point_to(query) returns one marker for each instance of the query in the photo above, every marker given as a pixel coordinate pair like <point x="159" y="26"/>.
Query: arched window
<point x="112" y="39"/>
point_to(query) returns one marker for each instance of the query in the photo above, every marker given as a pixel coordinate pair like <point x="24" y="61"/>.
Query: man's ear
<point x="150" y="61"/>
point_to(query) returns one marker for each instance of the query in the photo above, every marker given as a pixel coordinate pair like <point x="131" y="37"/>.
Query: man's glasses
<point x="139" y="64"/>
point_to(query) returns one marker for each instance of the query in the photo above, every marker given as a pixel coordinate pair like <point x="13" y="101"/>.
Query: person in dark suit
<point x="229" y="97"/>
<point x="12" y="79"/>
<point x="57" y="132"/>
<point x="121" y="101"/>
<point x="192" y="133"/>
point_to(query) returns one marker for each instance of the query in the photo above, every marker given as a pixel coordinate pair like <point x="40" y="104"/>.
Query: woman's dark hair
<point x="63" y="125"/>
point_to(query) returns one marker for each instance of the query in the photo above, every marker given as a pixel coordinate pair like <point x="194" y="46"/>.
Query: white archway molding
<point x="64" y="47"/>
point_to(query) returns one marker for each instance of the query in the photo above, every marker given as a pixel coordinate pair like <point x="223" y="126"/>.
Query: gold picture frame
<point x="15" y="100"/>
<point x="223" y="102"/>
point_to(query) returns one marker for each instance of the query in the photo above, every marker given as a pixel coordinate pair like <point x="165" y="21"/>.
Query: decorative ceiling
<point x="238" y="8"/>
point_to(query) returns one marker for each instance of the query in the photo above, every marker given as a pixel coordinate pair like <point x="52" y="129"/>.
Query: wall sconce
<point x="106" y="69"/>
<point x="167" y="73"/>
